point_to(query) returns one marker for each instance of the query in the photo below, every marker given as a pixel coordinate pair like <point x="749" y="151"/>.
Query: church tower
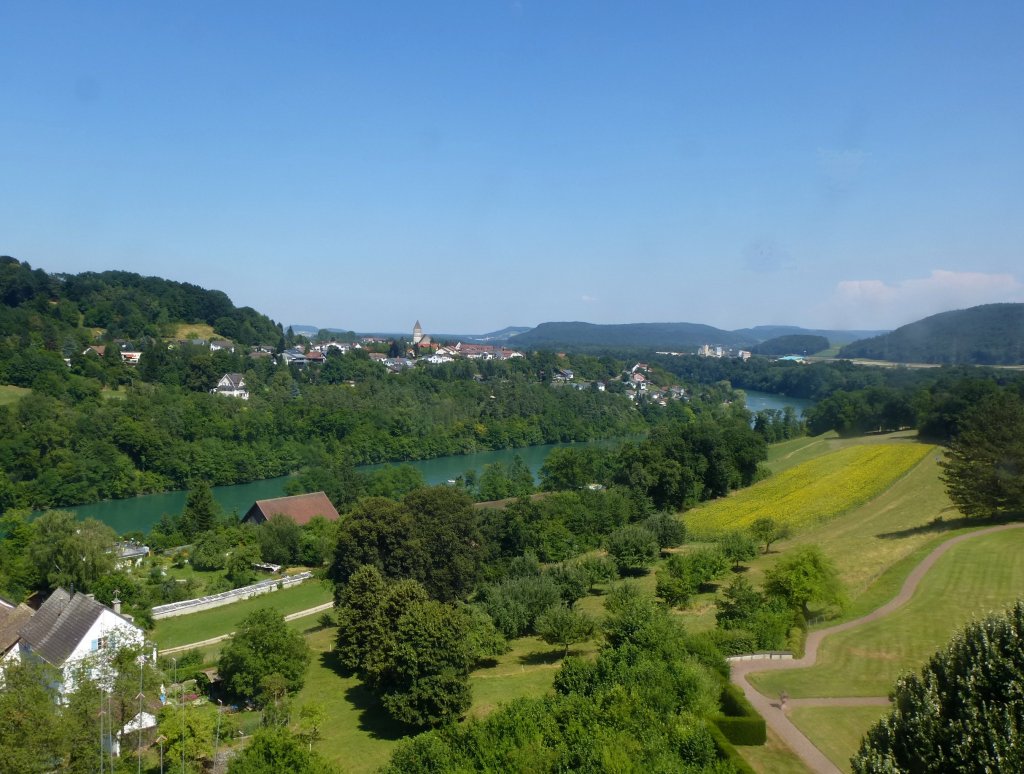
<point x="417" y="333"/>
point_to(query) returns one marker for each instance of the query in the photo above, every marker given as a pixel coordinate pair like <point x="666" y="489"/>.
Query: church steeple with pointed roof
<point x="417" y="333"/>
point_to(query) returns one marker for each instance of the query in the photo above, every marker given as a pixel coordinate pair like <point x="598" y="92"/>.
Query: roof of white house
<point x="61" y="623"/>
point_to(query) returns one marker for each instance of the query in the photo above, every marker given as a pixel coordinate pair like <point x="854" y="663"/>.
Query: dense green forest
<point x="992" y="334"/>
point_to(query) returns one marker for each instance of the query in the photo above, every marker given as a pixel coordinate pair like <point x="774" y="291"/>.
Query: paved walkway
<point x="776" y="717"/>
<point x="221" y="638"/>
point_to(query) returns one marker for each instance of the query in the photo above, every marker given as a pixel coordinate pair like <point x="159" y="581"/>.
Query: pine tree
<point x="984" y="466"/>
<point x="201" y="511"/>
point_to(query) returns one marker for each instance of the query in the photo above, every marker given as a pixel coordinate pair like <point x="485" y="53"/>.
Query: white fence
<point x="227" y="597"/>
<point x="768" y="655"/>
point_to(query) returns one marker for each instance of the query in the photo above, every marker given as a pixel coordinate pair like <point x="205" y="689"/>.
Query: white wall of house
<point x="113" y="631"/>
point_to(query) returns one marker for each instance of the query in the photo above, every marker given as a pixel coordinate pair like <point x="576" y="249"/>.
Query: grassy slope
<point x="817" y="490"/>
<point x="171" y="632"/>
<point x="9" y="393"/>
<point x="195" y="331"/>
<point x="973" y="579"/>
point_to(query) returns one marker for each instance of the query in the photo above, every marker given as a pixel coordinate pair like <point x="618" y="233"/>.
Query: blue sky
<point x="479" y="164"/>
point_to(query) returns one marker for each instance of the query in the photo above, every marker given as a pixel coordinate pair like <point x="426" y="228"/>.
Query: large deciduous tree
<point x="423" y="676"/>
<point x="263" y="645"/>
<point x="963" y="712"/>
<point x="69" y="552"/>
<point x="804" y="576"/>
<point x="984" y="466"/>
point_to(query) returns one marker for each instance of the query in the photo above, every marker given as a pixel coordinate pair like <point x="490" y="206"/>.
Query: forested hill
<point x="124" y="304"/>
<point x="581" y="336"/>
<point x="648" y="335"/>
<point x="992" y="334"/>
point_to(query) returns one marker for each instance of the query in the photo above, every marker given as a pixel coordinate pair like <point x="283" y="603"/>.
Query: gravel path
<point x="770" y="709"/>
<point x="221" y="638"/>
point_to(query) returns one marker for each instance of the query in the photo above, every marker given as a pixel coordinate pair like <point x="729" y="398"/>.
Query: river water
<point x="141" y="513"/>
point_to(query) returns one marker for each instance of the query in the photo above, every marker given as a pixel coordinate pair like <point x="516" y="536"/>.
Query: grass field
<point x="195" y="331"/>
<point x="813" y="491"/>
<point x="773" y="757"/>
<point x="9" y="393"/>
<point x="836" y="731"/>
<point x="172" y="632"/>
<point x="973" y="579"/>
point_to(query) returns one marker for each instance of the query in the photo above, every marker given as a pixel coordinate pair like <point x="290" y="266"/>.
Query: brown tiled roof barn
<point x="300" y="508"/>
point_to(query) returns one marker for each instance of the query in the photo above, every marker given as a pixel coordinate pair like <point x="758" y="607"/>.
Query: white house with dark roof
<point x="74" y="631"/>
<point x="232" y="385"/>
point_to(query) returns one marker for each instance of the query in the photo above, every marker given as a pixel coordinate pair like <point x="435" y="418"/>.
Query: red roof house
<point x="300" y="509"/>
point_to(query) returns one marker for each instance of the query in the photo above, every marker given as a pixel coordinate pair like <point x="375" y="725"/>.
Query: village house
<point x="299" y="508"/>
<point x="72" y="631"/>
<point x="221" y="344"/>
<point x="233" y="386"/>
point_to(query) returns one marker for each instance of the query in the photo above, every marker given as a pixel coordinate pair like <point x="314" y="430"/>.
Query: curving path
<point x="771" y="711"/>
<point x="222" y="637"/>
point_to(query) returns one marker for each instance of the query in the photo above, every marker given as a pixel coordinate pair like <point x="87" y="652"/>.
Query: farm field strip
<point x="814" y="491"/>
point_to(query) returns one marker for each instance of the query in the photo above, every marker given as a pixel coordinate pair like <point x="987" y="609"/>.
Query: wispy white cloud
<point x="878" y="304"/>
<point x="588" y="299"/>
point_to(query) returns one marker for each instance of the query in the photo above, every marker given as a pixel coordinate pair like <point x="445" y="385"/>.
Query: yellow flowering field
<point x="813" y="491"/>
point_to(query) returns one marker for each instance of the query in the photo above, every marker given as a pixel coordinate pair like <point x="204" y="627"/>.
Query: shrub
<point x="633" y="547"/>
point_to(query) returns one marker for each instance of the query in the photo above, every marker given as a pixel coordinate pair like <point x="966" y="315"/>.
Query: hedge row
<point x="728" y="752"/>
<point x="740" y="722"/>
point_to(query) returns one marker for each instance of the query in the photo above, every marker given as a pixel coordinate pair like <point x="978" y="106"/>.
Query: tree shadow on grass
<point x="939" y="525"/>
<point x="329" y="660"/>
<point x="542" y="657"/>
<point x="372" y="717"/>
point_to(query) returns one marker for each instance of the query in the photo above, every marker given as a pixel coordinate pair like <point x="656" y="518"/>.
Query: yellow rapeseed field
<point x="814" y="491"/>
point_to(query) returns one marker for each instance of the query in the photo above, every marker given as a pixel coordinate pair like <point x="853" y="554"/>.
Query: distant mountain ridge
<point x="671" y="336"/>
<point x="991" y="334"/>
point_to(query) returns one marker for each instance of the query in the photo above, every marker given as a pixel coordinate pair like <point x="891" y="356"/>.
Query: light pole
<point x="216" y="743"/>
<point x="142" y="672"/>
<point x="160" y="741"/>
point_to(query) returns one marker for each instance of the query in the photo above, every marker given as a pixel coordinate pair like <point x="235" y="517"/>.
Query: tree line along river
<point x="142" y="512"/>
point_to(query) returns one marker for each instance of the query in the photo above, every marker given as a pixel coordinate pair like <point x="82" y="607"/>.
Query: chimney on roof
<point x="115" y="603"/>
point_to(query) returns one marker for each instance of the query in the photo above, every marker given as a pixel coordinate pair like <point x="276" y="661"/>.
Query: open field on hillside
<point x="171" y="632"/>
<point x="9" y="393"/>
<point x="194" y="331"/>
<point x="876" y="545"/>
<point x="976" y="577"/>
<point x="814" y="491"/>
